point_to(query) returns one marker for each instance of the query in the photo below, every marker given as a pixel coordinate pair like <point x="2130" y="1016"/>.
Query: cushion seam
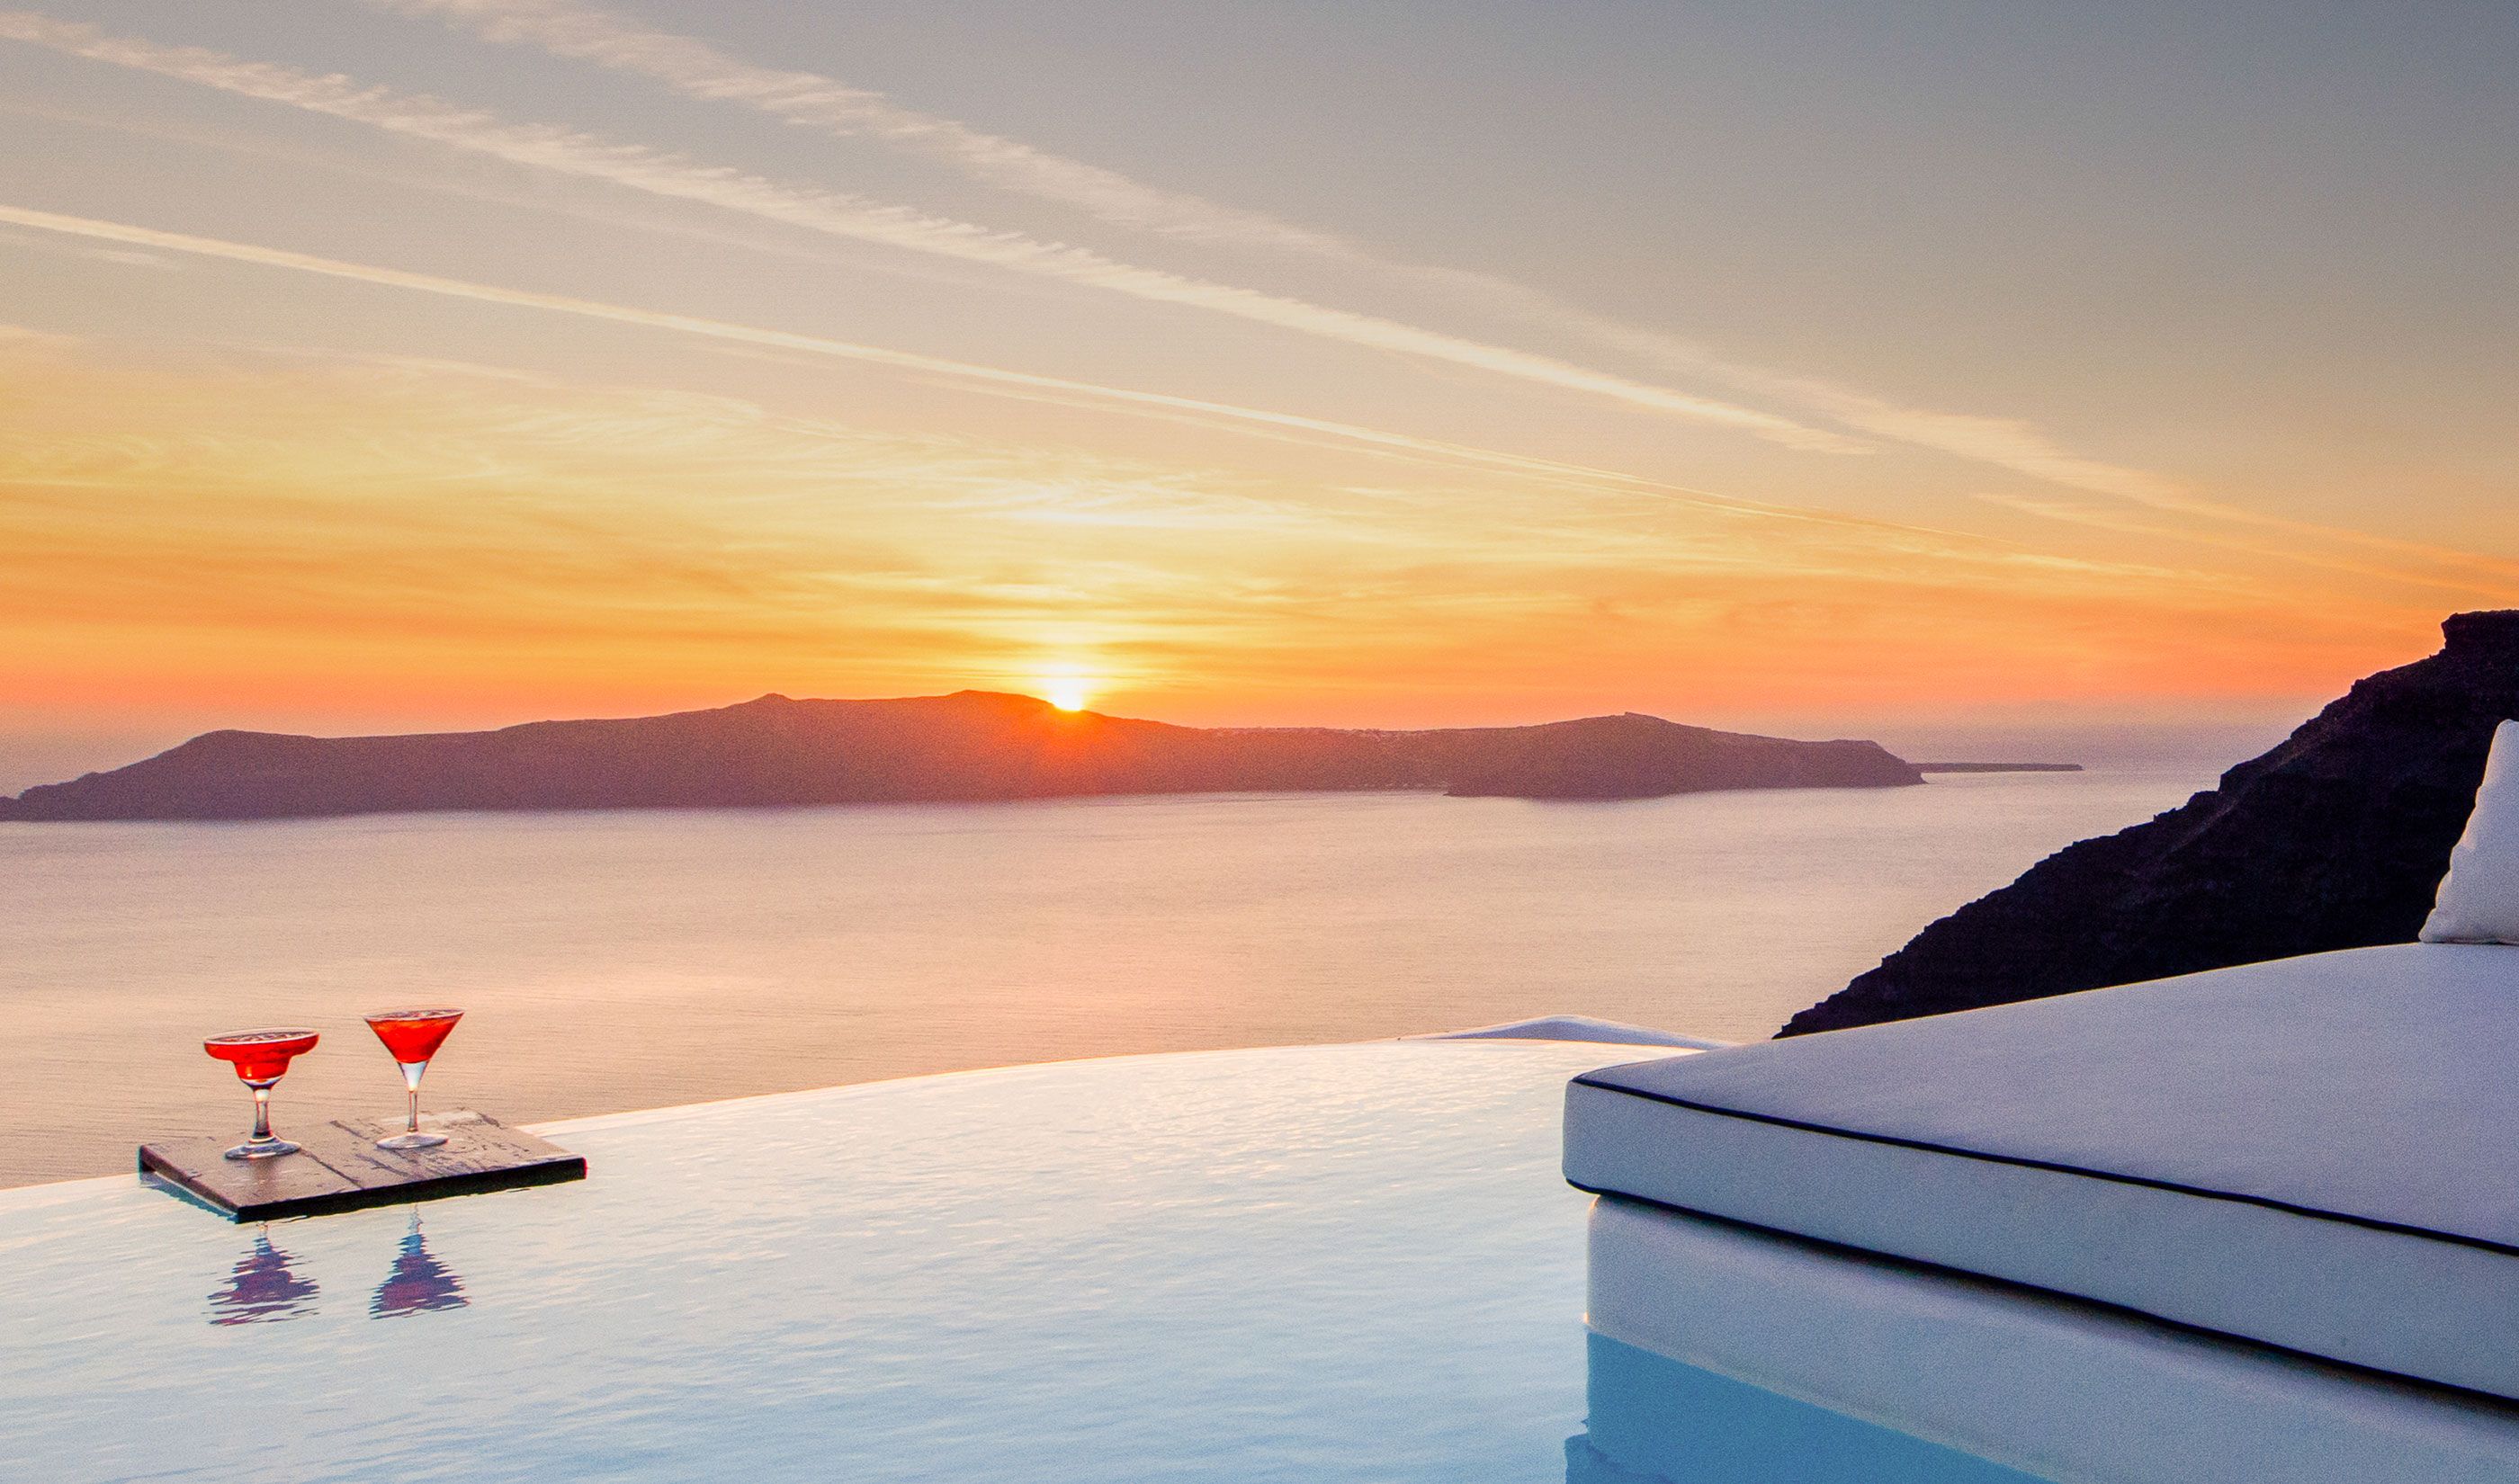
<point x="2372" y="1223"/>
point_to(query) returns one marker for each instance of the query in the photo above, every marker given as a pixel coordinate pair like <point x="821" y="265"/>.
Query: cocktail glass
<point x="260" y="1057"/>
<point x="413" y="1036"/>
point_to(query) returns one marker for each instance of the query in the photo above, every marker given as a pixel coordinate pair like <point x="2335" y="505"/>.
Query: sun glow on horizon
<point x="1067" y="693"/>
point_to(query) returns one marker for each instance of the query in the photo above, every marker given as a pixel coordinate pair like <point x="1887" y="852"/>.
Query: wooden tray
<point x="338" y="1166"/>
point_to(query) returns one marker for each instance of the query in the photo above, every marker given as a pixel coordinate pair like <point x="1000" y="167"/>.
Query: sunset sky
<point x="410" y="364"/>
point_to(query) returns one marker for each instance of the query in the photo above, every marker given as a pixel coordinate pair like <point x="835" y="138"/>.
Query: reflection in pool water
<point x="418" y="1282"/>
<point x="264" y="1289"/>
<point x="1655" y="1420"/>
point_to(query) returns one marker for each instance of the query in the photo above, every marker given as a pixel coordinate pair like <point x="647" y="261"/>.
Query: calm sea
<point x="627" y="960"/>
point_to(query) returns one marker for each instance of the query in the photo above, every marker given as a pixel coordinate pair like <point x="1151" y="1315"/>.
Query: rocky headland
<point x="969" y="746"/>
<point x="2335" y="839"/>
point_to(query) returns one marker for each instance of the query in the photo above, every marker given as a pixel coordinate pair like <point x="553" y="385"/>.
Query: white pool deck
<point x="1324" y="1263"/>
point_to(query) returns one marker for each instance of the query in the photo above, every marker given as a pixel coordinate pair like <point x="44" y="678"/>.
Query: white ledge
<point x="1572" y="1028"/>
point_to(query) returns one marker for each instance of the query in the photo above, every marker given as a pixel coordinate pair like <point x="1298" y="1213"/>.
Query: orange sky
<point x="352" y="536"/>
<point x="345" y="389"/>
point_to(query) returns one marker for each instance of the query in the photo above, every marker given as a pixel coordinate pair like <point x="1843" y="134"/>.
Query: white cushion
<point x="2479" y="897"/>
<point x="2314" y="1153"/>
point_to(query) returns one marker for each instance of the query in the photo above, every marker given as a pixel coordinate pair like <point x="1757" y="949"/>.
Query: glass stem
<point x="411" y="1075"/>
<point x="262" y="1114"/>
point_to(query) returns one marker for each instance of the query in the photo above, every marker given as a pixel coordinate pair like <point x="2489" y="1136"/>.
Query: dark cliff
<point x="969" y="746"/>
<point x="2336" y="839"/>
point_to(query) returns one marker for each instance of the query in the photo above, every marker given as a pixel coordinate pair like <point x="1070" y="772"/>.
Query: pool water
<point x="1327" y="1264"/>
<point x="1654" y="1418"/>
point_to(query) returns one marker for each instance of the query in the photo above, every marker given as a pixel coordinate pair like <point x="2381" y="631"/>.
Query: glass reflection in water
<point x="418" y="1283"/>
<point x="264" y="1287"/>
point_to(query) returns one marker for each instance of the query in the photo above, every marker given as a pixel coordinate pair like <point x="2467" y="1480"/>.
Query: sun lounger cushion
<point x="2479" y="897"/>
<point x="2319" y="1153"/>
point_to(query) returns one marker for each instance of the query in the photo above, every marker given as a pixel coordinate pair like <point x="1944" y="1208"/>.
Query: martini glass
<point x="413" y="1036"/>
<point x="260" y="1057"/>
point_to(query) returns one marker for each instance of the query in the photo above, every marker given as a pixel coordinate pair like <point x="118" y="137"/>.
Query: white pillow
<point x="2479" y="897"/>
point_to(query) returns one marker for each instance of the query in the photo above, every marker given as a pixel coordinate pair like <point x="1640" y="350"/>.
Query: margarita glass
<point x="260" y="1057"/>
<point x="411" y="1037"/>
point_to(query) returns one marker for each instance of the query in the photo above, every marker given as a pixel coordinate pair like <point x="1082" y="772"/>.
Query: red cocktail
<point x="260" y="1057"/>
<point x="411" y="1037"/>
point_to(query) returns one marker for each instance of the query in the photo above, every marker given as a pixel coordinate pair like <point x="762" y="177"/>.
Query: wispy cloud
<point x="2468" y="574"/>
<point x="265" y="501"/>
<point x="216" y="526"/>
<point x="2010" y="444"/>
<point x="278" y="523"/>
<point x="1886" y="538"/>
<point x="696" y="69"/>
<point x="692" y="324"/>
<point x="380" y="428"/>
<point x="700" y="70"/>
<point x="840" y="214"/>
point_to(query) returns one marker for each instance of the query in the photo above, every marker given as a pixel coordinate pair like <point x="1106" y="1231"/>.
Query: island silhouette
<point x="968" y="746"/>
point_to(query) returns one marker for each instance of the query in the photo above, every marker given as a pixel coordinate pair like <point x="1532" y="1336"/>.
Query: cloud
<point x="388" y="429"/>
<point x="378" y="428"/>
<point x="1884" y="535"/>
<point x="1999" y="442"/>
<point x="840" y="214"/>
<point x="394" y="534"/>
<point x="818" y="345"/>
<point x="2010" y="444"/>
<point x="696" y="69"/>
<point x="2444" y="569"/>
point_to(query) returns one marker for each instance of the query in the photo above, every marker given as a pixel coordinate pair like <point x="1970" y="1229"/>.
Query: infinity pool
<point x="1322" y="1264"/>
<point x="1351" y="1262"/>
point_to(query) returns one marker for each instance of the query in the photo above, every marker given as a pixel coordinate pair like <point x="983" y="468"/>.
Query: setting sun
<point x="1067" y="693"/>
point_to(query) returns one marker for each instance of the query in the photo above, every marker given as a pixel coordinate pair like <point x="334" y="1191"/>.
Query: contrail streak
<point x="839" y="214"/>
<point x="696" y="69"/>
<point x="1911" y="540"/>
<point x="721" y="329"/>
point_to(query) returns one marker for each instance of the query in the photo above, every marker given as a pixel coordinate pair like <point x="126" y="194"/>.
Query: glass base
<point x="262" y="1149"/>
<point x="412" y="1140"/>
